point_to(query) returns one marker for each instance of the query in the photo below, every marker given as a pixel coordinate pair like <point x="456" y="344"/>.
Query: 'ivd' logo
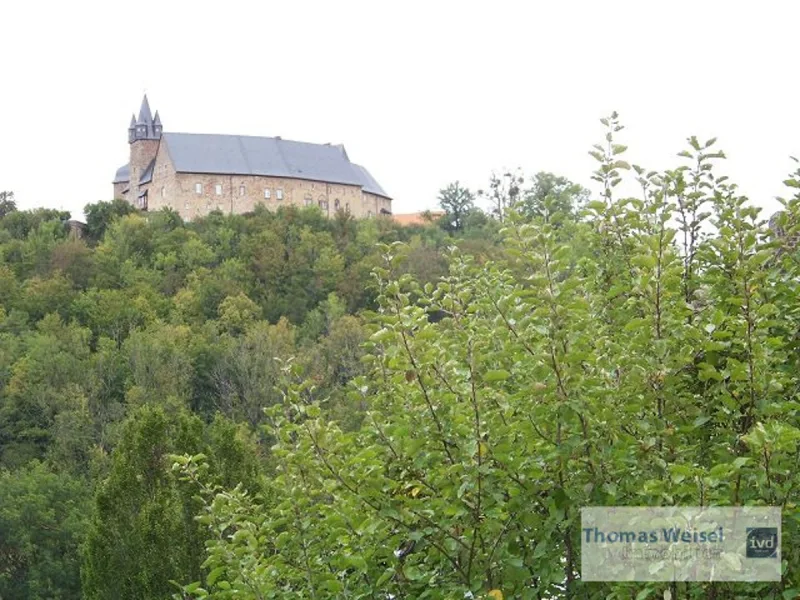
<point x="762" y="542"/>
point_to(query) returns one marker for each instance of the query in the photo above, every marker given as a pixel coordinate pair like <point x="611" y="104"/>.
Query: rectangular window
<point x="241" y="190"/>
<point x="163" y="191"/>
<point x="267" y="194"/>
<point x="309" y="201"/>
<point x="279" y="194"/>
<point x="218" y="189"/>
<point x="323" y="204"/>
<point x="198" y="188"/>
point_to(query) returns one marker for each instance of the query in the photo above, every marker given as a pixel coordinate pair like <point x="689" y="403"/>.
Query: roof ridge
<point x="259" y="137"/>
<point x="266" y="156"/>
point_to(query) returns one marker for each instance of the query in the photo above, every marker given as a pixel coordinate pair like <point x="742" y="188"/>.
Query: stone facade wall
<point x="142" y="152"/>
<point x="372" y="204"/>
<point x="118" y="189"/>
<point x="241" y="193"/>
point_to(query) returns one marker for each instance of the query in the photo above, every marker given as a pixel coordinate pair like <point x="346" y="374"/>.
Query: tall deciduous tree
<point x="552" y="198"/>
<point x="142" y="534"/>
<point x="7" y="203"/>
<point x="457" y="202"/>
<point x="504" y="191"/>
<point x="42" y="524"/>
<point x="100" y="215"/>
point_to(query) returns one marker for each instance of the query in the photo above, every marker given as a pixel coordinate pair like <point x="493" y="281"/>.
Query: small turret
<point x="132" y="129"/>
<point x="157" y="126"/>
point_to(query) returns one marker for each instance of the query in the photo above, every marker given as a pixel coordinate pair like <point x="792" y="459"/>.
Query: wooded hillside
<point x="277" y="405"/>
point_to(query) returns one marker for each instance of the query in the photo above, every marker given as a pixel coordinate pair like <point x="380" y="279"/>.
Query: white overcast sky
<point x="421" y="93"/>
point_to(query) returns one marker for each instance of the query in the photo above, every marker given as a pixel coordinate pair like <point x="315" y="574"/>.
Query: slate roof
<point x="249" y="155"/>
<point x="267" y="156"/>
<point x="368" y="181"/>
<point x="123" y="174"/>
<point x="147" y="175"/>
<point x="145" y="117"/>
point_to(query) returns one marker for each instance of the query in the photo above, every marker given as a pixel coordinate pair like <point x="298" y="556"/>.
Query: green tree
<point x="7" y="203"/>
<point x="246" y="376"/>
<point x="40" y="384"/>
<point x="42" y="524"/>
<point x="141" y="534"/>
<point x="504" y="191"/>
<point x="552" y="198"/>
<point x="237" y="312"/>
<point x="100" y="215"/>
<point x="457" y="202"/>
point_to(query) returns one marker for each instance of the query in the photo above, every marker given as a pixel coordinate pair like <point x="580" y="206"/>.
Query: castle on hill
<point x="196" y="173"/>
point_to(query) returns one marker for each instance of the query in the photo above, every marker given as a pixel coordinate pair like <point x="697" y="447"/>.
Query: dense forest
<point x="281" y="405"/>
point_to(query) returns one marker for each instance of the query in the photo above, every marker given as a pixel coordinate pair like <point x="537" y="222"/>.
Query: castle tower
<point x="144" y="135"/>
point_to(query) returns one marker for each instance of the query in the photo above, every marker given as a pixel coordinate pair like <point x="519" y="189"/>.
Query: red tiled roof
<point x="417" y="218"/>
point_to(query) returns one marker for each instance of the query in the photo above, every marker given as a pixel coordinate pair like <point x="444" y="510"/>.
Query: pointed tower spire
<point x="145" y="117"/>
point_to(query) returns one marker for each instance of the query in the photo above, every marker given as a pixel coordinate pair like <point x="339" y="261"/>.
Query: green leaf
<point x="740" y="462"/>
<point x="496" y="375"/>
<point x="701" y="420"/>
<point x="596" y="205"/>
<point x="214" y="575"/>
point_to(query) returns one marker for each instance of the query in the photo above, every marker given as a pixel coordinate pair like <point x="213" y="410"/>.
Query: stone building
<point x="195" y="174"/>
